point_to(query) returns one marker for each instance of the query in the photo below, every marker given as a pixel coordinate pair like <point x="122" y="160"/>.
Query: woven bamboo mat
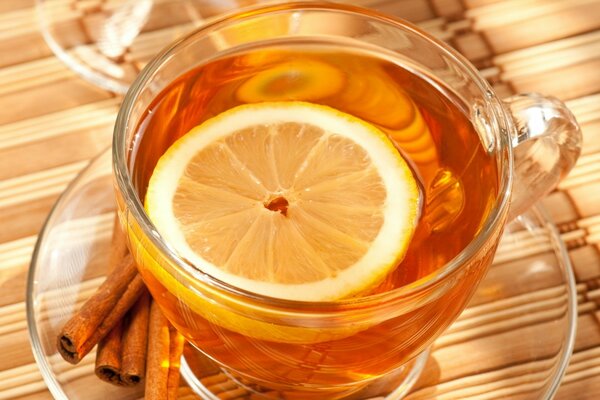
<point x="52" y="122"/>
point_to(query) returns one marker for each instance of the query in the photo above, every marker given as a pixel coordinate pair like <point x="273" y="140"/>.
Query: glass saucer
<point x="513" y="341"/>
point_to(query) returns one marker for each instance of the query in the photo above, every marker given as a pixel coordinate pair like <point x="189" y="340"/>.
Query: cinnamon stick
<point x="121" y="355"/>
<point x="135" y="342"/>
<point x="101" y="312"/>
<point x="165" y="346"/>
<point x="108" y="354"/>
<point x="133" y="336"/>
<point x="118" y="246"/>
<point x="157" y="365"/>
<point x="176" y="343"/>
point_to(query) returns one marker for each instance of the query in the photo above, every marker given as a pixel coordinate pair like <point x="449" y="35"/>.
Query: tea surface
<point x="458" y="178"/>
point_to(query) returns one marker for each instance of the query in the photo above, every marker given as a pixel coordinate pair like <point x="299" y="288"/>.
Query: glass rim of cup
<point x="503" y="151"/>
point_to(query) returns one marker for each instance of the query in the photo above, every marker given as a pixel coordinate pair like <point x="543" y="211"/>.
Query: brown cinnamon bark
<point x="133" y="336"/>
<point x="121" y="355"/>
<point x="176" y="343"/>
<point x="108" y="353"/>
<point x="157" y="366"/>
<point x="165" y="347"/>
<point x="118" y="246"/>
<point x="135" y="342"/>
<point x="101" y="312"/>
<point x="108" y="356"/>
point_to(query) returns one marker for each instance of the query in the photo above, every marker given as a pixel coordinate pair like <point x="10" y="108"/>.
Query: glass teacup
<point x="337" y="349"/>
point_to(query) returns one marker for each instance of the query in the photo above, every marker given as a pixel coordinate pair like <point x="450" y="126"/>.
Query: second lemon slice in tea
<point x="290" y="200"/>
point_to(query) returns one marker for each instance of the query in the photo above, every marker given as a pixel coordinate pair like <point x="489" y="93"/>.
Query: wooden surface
<point x="52" y="122"/>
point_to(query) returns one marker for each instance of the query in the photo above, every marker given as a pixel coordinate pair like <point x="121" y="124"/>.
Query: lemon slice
<point x="286" y="199"/>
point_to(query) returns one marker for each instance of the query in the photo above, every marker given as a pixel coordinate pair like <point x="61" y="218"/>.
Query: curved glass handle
<point x="546" y="146"/>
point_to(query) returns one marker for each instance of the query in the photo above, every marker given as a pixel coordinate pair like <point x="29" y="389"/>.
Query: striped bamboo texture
<point x="52" y="123"/>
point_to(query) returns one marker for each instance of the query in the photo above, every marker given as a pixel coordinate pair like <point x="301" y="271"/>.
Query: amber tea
<point x="428" y="127"/>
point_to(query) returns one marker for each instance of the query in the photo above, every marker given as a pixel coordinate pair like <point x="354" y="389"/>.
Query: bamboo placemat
<point x="52" y="122"/>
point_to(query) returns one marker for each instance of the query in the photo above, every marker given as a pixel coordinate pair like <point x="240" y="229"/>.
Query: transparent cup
<point x="308" y="349"/>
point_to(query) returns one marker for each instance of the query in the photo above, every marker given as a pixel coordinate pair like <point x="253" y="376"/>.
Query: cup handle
<point x="546" y="143"/>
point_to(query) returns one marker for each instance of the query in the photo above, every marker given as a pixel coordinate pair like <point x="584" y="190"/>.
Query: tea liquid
<point x="429" y="126"/>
